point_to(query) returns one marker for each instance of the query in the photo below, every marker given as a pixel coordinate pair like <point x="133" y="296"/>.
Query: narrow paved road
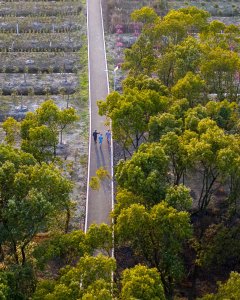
<point x="99" y="203"/>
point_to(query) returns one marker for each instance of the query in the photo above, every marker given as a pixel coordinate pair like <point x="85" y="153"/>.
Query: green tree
<point x="225" y="113"/>
<point x="218" y="69"/>
<point x="145" y="174"/>
<point x="227" y="290"/>
<point x="218" y="34"/>
<point x="48" y="114"/>
<point x="143" y="82"/>
<point x="190" y="87"/>
<point x="40" y="130"/>
<point x="188" y="56"/>
<point x="124" y="199"/>
<point x="140" y="59"/>
<point x="41" y="143"/>
<point x="203" y="151"/>
<point x="158" y="235"/>
<point x="213" y="35"/>
<point x="66" y="117"/>
<point x="30" y="195"/>
<point x="65" y="247"/>
<point x="178" y="108"/>
<point x="228" y="161"/>
<point x="199" y="17"/>
<point x="145" y="15"/>
<point x="17" y="282"/>
<point x="219" y="247"/>
<point x="130" y="114"/>
<point x="177" y="24"/>
<point x="174" y="27"/>
<point x="142" y="283"/>
<point x="193" y="117"/>
<point x="100" y="237"/>
<point x="179" y="59"/>
<point x="91" y="275"/>
<point x="162" y="124"/>
<point x="179" y="197"/>
<point x="100" y="290"/>
<point x="12" y="130"/>
<point x="4" y="288"/>
<point x="166" y="66"/>
<point x="174" y="147"/>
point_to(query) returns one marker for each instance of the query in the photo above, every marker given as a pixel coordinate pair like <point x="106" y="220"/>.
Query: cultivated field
<point x="43" y="56"/>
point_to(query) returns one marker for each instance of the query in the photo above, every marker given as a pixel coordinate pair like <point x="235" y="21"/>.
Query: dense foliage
<point x="177" y="199"/>
<point x="177" y="122"/>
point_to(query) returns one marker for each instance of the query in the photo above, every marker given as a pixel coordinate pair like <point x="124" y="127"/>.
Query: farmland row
<point x="39" y="62"/>
<point x="41" y="42"/>
<point x="39" y="8"/>
<point x="42" y="57"/>
<point x="39" y="48"/>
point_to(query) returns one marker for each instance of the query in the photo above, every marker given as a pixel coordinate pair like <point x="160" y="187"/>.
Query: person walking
<point x="95" y="134"/>
<point x="100" y="140"/>
<point x="108" y="136"/>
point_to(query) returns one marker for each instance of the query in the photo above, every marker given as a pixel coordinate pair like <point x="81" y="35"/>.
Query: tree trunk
<point x="2" y="256"/>
<point x="68" y="215"/>
<point x="61" y="136"/>
<point x="168" y="286"/>
<point x="192" y="292"/>
<point x="23" y="255"/>
<point x="15" y="252"/>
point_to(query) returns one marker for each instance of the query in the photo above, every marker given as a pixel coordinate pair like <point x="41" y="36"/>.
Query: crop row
<point x="47" y="49"/>
<point x="40" y="24"/>
<point x="38" y="5"/>
<point x="38" y="19"/>
<point x="215" y="8"/>
<point x="43" y="42"/>
<point x="227" y="20"/>
<point x="38" y="28"/>
<point x="39" y="62"/>
<point x="30" y="1"/>
<point x="50" y="13"/>
<point x="38" y="84"/>
<point x="39" y="50"/>
<point x="22" y="9"/>
<point x="11" y="103"/>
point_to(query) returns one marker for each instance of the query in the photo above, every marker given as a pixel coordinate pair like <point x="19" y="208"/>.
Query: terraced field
<point x="43" y="56"/>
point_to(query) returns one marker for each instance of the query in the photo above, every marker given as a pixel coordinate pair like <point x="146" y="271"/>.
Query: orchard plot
<point x="41" y="49"/>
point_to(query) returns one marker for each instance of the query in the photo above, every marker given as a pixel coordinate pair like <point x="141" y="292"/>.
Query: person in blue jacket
<point x="100" y="140"/>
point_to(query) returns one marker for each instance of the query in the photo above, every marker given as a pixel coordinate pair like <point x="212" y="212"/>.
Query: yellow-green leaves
<point x="228" y="290"/>
<point x="142" y="283"/>
<point x="12" y="130"/>
<point x="145" y="174"/>
<point x="40" y="130"/>
<point x="157" y="234"/>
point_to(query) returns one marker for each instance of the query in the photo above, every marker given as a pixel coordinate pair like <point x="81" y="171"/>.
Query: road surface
<point x="99" y="203"/>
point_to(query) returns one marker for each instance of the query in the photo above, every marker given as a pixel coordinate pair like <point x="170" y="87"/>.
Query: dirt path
<point x="99" y="203"/>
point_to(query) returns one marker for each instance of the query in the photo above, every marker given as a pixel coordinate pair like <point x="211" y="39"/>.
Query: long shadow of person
<point x="102" y="157"/>
<point x="106" y="182"/>
<point x="98" y="159"/>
